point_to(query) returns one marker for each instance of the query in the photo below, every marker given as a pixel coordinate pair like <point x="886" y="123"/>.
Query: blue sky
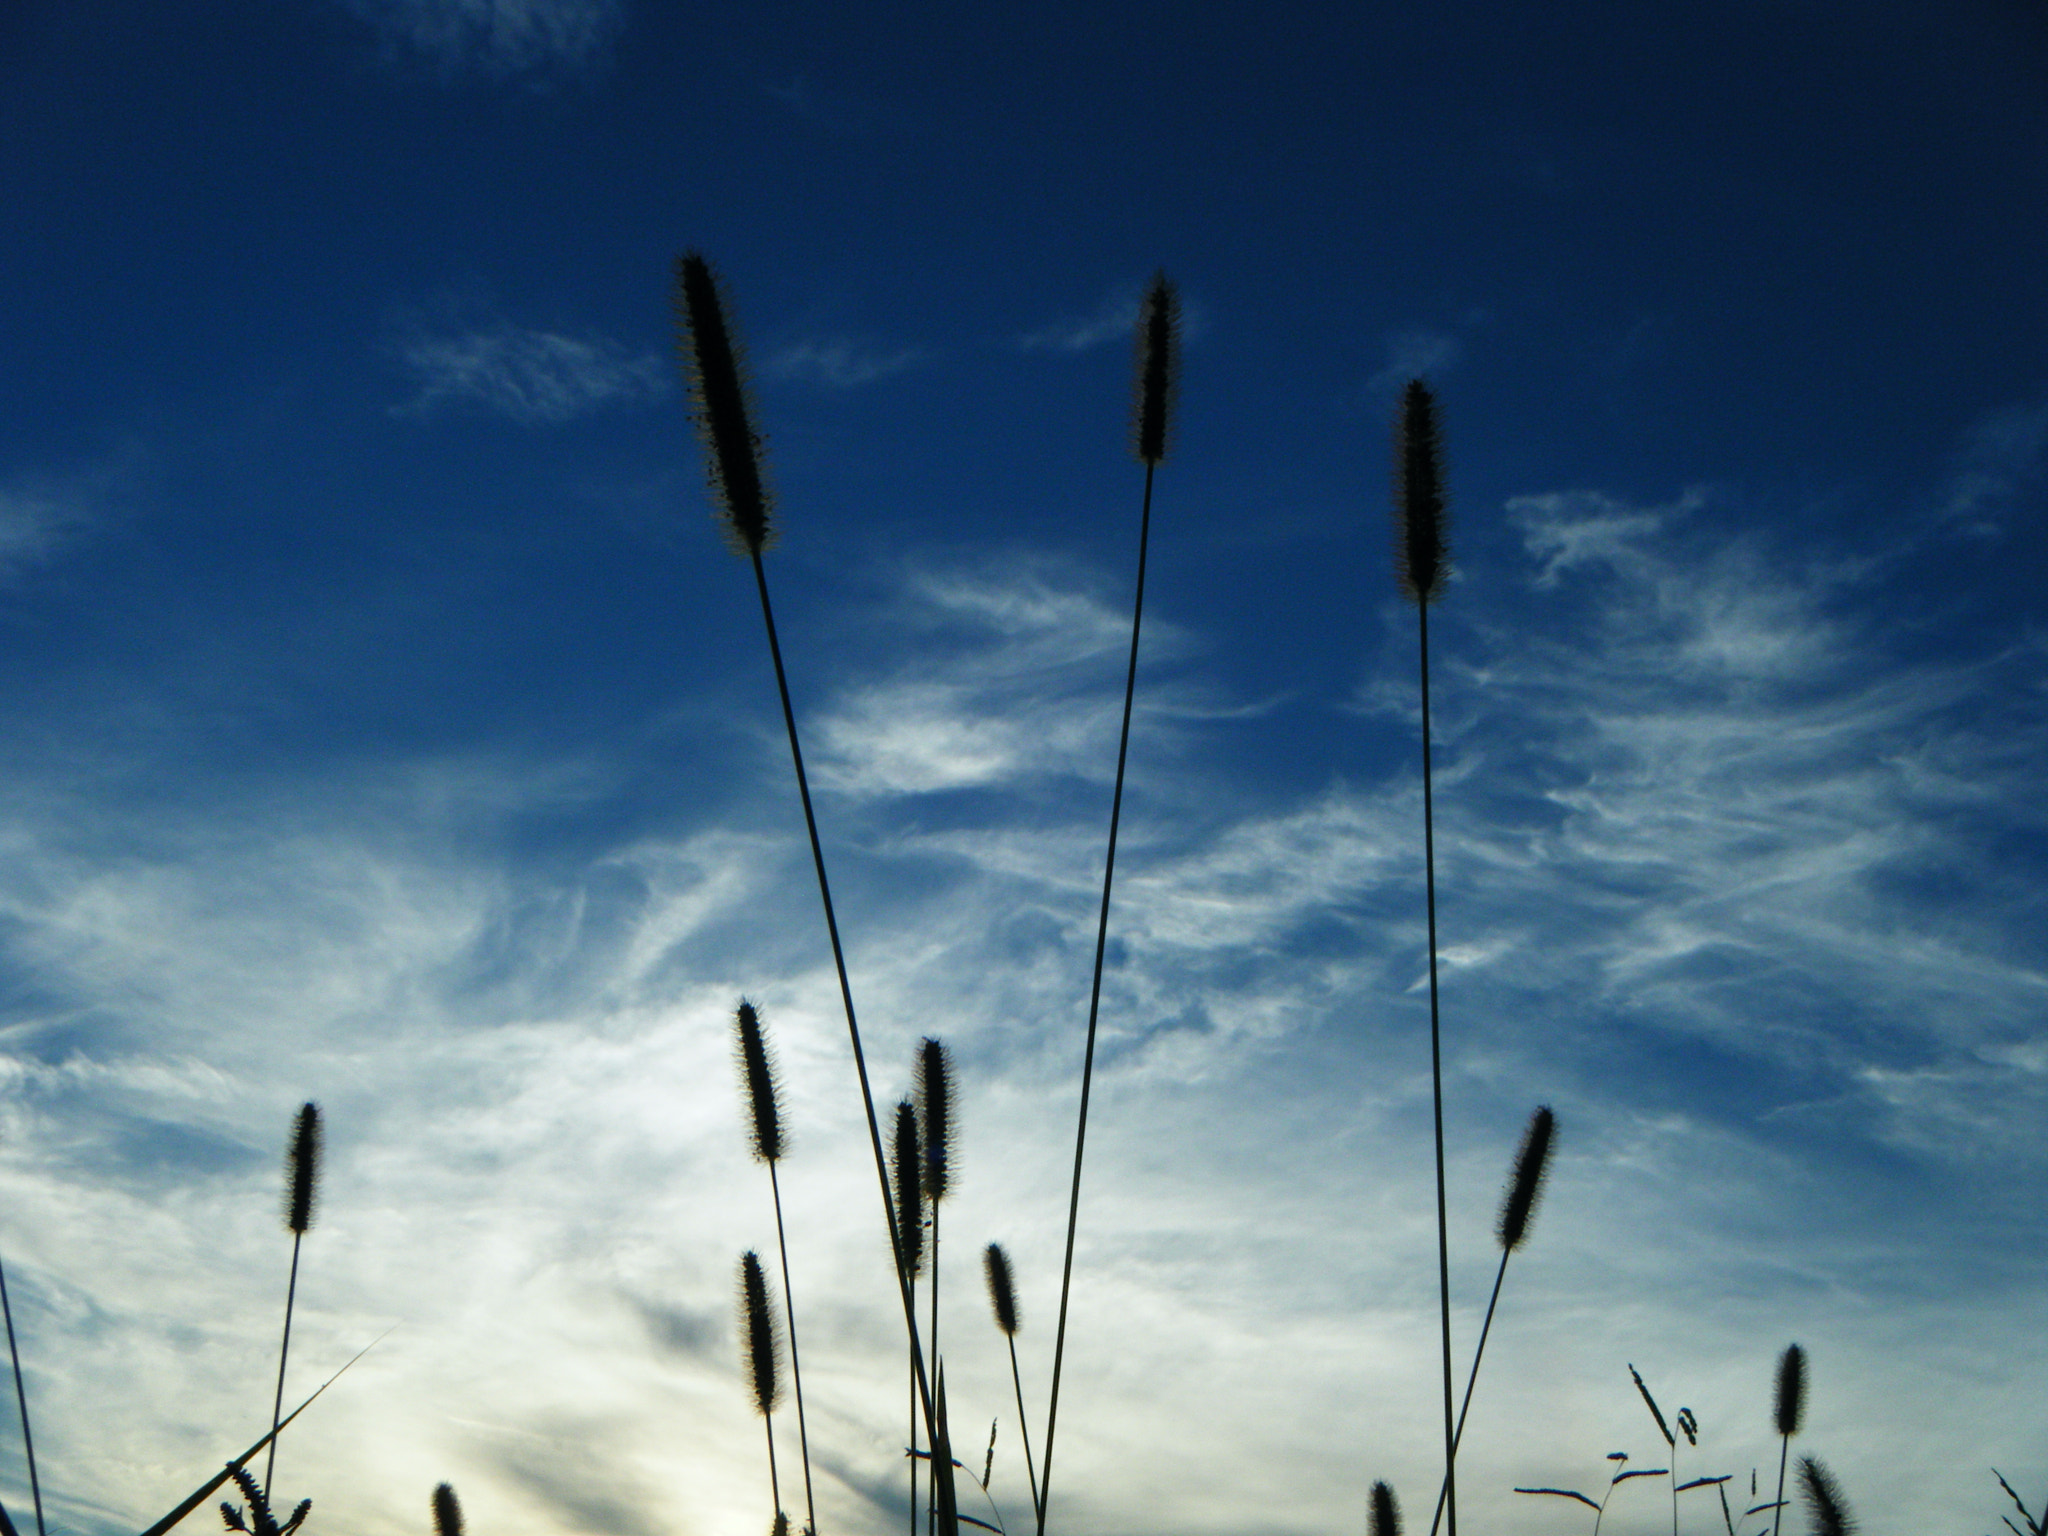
<point x="388" y="726"/>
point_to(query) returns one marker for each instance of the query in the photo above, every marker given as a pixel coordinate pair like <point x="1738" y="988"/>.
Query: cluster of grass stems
<point x="918" y="1167"/>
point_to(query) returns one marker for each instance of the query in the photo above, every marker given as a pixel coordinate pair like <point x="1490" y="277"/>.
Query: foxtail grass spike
<point x="1525" y="1185"/>
<point x="1002" y="1293"/>
<point x="1790" y="1403"/>
<point x="936" y="1116"/>
<point x="28" y="1443"/>
<point x="301" y="1189"/>
<point x="764" y="1339"/>
<point x="1158" y="370"/>
<point x="1827" y="1511"/>
<point x="906" y="1164"/>
<point x="717" y="387"/>
<point x="302" y="1170"/>
<point x="1385" y="1519"/>
<point x="447" y="1511"/>
<point x="1421" y="560"/>
<point x="1655" y="1412"/>
<point x="781" y="1525"/>
<point x="757" y="1071"/>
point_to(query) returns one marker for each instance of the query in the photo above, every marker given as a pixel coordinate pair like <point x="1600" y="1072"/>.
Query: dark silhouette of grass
<point x="1384" y="1516"/>
<point x="1827" y="1511"/>
<point x="1422" y="565"/>
<point x="2034" y="1527"/>
<point x="938" y="1120"/>
<point x="259" y="1521"/>
<point x="906" y="1169"/>
<point x="1002" y="1300"/>
<point x="1621" y="1475"/>
<point x="447" y="1511"/>
<point x="764" y="1111"/>
<point x="28" y="1439"/>
<point x="1788" y="1405"/>
<point x="1158" y="374"/>
<point x="764" y="1354"/>
<point x="301" y="1189"/>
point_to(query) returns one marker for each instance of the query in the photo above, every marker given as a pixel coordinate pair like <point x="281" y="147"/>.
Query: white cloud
<point x="1115" y="319"/>
<point x="2000" y="463"/>
<point x="530" y="376"/>
<point x="41" y="514"/>
<point x="839" y="362"/>
<point x="1414" y="354"/>
<point x="500" y="37"/>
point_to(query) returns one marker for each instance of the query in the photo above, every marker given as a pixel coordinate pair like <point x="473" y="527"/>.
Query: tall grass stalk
<point x="733" y="461"/>
<point x="1002" y="1299"/>
<point x="1422" y="566"/>
<point x="906" y="1167"/>
<point x="301" y="1188"/>
<point x="28" y="1439"/>
<point x="938" y="1119"/>
<point x="1517" y="1210"/>
<point x="764" y="1354"/>
<point x="764" y="1112"/>
<point x="1158" y="376"/>
<point x="1788" y="1406"/>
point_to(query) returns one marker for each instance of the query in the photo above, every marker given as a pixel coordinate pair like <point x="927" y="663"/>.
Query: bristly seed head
<point x="1828" y="1513"/>
<point x="1791" y="1400"/>
<point x="1655" y="1412"/>
<point x="302" y="1170"/>
<point x="1158" y="373"/>
<point x="906" y="1160"/>
<point x="732" y="447"/>
<point x="1525" y="1184"/>
<point x="1002" y="1293"/>
<point x="1421" y="560"/>
<point x="935" y="1113"/>
<point x="764" y="1340"/>
<point x="757" y="1076"/>
<point x="447" y="1511"/>
<point x="1386" y="1513"/>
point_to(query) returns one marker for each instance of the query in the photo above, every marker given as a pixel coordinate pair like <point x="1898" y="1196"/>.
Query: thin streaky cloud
<point x="1112" y="320"/>
<point x="500" y="37"/>
<point x="2002" y="459"/>
<point x="1414" y="354"/>
<point x="840" y="362"/>
<point x="538" y="377"/>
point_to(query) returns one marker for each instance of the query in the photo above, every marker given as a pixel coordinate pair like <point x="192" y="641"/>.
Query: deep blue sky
<point x="388" y="726"/>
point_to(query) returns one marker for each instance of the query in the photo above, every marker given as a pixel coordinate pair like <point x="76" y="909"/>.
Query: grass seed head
<point x="1002" y="1292"/>
<point x="763" y="1338"/>
<point x="1828" y="1514"/>
<point x="447" y="1511"/>
<point x="1386" y="1513"/>
<point x="935" y="1112"/>
<point x="1158" y="372"/>
<point x="1421" y="559"/>
<point x="302" y="1170"/>
<point x="1525" y="1184"/>
<point x="757" y="1073"/>
<point x="714" y="364"/>
<point x="1791" y="1398"/>
<point x="906" y="1161"/>
<point x="1655" y="1412"/>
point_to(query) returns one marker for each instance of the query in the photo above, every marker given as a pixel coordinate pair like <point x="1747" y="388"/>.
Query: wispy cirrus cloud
<point x="500" y="38"/>
<point x="42" y="513"/>
<point x="840" y="362"/>
<point x="538" y="377"/>
<point x="2001" y="462"/>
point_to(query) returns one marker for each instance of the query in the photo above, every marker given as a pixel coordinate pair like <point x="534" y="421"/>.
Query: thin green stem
<point x="1116" y="805"/>
<point x="1436" y="1073"/>
<point x="28" y="1440"/>
<point x="796" y="1370"/>
<point x="277" y="1405"/>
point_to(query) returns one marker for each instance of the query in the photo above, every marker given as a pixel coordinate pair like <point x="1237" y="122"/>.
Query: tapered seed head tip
<point x="1386" y="1512"/>
<point x="1002" y="1291"/>
<point x="937" y="1114"/>
<point x="713" y="362"/>
<point x="906" y="1158"/>
<point x="447" y="1511"/>
<point x="1790" y="1404"/>
<point x="1157" y="383"/>
<point x="1525" y="1183"/>
<point x="781" y="1525"/>
<point x="1421" y="556"/>
<point x="758" y="1078"/>
<point x="763" y="1338"/>
<point x="1827" y="1511"/>
<point x="302" y="1170"/>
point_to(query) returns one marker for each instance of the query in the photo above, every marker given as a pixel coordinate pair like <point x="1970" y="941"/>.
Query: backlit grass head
<point x="906" y="1164"/>
<point x="1525" y="1186"/>
<point x="1158" y="371"/>
<point x="1790" y="1403"/>
<point x="302" y="1170"/>
<point x="762" y="1339"/>
<point x="1002" y="1291"/>
<point x="1421" y="557"/>
<point x="447" y="1512"/>
<point x="717" y="387"/>
<point x="757" y="1073"/>
<point x="1385" y="1518"/>
<point x="935" y="1111"/>
<point x="1827" y="1511"/>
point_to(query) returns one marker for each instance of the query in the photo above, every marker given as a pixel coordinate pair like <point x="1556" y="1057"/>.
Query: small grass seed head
<point x="1002" y="1292"/>
<point x="906" y="1161"/>
<point x="1790" y="1405"/>
<point x="1655" y="1412"/>
<point x="1421" y="557"/>
<point x="302" y="1170"/>
<point x="1157" y="384"/>
<point x="758" y="1078"/>
<point x="935" y="1111"/>
<point x="714" y="364"/>
<point x="1385" y="1519"/>
<point x="447" y="1511"/>
<point x="1827" y="1512"/>
<point x="1525" y="1183"/>
<point x="763" y="1338"/>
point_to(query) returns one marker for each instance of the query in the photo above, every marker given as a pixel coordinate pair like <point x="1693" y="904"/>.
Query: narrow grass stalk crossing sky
<point x="387" y="726"/>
